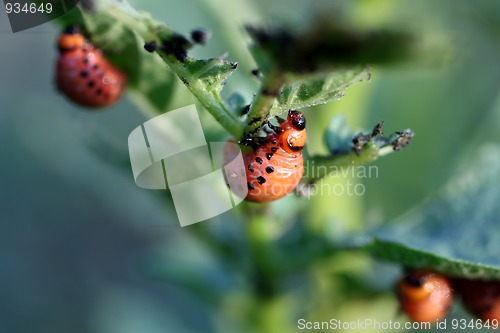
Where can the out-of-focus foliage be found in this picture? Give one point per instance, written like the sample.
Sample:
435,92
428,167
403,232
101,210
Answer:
457,233
81,243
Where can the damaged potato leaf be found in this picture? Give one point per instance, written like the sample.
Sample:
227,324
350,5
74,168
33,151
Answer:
350,148
315,66
318,90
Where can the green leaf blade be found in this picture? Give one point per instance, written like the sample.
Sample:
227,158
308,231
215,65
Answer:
457,233
319,89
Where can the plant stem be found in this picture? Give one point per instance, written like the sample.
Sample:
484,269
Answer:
211,100
271,88
318,167
269,313
261,251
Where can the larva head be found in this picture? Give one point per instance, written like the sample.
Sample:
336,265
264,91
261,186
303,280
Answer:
71,39
294,132
425,296
415,286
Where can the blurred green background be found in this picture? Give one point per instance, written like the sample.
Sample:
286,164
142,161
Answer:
83,249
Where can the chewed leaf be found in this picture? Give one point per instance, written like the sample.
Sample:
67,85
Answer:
350,148
456,233
306,90
315,65
318,89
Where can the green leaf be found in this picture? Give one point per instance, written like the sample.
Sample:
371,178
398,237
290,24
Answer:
314,66
325,45
319,89
211,73
455,233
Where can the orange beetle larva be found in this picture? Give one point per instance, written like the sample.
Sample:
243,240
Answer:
425,296
481,298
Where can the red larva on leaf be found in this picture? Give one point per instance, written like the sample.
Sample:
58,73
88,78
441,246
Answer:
481,298
275,167
84,75
425,296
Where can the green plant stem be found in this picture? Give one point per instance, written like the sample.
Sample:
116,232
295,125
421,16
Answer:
211,100
259,111
318,167
261,251
269,314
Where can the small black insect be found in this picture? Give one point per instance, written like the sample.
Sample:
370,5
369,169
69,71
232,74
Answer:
200,36
151,46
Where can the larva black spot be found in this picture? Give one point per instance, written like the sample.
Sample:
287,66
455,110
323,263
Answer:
269,169
90,84
258,160
84,73
250,168
274,141
262,141
250,186
274,149
255,72
261,180
98,91
95,67
269,155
